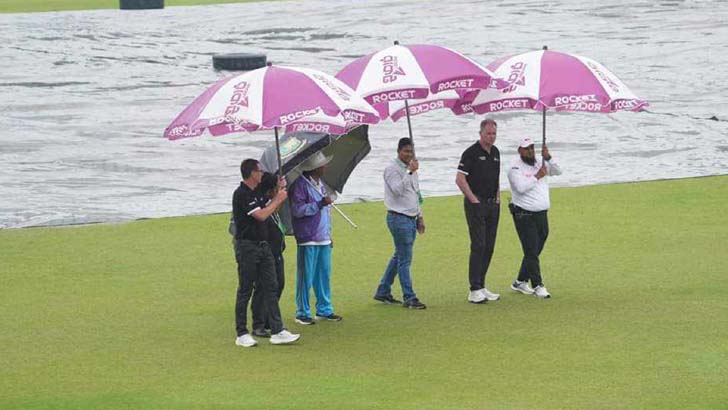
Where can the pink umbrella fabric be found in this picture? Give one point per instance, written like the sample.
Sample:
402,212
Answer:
271,97
400,73
550,80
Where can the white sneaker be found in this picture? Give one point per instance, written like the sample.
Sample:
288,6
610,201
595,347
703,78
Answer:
541,292
522,287
284,337
245,340
490,295
477,296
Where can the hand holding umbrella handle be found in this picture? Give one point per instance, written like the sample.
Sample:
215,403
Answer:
346,218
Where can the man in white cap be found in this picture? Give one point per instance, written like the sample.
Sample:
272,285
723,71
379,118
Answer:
312,227
529,207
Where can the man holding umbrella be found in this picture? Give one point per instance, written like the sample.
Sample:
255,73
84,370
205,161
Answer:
312,228
529,206
256,266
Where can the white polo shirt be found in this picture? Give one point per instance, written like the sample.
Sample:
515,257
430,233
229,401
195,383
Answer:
527,191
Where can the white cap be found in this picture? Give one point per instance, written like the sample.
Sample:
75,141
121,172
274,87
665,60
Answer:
315,161
525,142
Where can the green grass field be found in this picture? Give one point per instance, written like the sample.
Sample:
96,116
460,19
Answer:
24,6
140,315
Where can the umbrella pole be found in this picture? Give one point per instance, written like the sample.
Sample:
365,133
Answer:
543,127
278,152
409,125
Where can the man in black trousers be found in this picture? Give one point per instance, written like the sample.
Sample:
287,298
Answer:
256,266
478,178
529,206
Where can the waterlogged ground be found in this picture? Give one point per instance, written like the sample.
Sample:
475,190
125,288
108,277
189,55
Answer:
85,96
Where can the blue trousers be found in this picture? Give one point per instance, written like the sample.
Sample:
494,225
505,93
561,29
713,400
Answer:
313,270
404,232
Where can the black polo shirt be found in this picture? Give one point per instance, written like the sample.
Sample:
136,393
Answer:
245,202
482,170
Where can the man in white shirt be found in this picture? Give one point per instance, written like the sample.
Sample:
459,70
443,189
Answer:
529,207
404,220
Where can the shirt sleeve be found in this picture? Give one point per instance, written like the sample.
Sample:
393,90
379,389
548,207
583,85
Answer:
250,204
302,204
466,163
519,182
396,181
553,168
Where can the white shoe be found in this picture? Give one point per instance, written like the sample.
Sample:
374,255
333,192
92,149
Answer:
541,292
284,337
477,296
490,295
522,287
245,340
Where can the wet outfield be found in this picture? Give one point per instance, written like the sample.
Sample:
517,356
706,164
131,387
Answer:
85,96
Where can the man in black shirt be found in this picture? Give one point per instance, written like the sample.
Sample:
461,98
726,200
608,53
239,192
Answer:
268,188
478,178
256,266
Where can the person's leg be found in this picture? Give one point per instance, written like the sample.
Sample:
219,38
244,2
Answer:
280,279
385,284
406,232
542,229
269,286
247,258
476,229
492,215
304,278
528,235
322,281
257,306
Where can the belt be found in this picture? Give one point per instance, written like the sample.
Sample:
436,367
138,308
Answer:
259,243
401,214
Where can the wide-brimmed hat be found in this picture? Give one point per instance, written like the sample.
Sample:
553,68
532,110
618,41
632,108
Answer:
525,142
315,161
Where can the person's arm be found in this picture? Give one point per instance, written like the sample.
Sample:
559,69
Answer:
551,166
464,168
519,182
303,204
462,183
396,181
261,214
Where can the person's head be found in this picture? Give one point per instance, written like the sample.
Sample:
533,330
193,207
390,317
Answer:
268,185
527,151
251,172
405,150
488,129
315,166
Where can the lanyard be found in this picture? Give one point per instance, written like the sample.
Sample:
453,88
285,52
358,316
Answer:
420,198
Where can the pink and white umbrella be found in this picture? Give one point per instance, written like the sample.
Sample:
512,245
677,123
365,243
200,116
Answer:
414,72
271,97
549,80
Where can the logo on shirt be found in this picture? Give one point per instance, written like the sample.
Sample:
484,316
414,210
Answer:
481,158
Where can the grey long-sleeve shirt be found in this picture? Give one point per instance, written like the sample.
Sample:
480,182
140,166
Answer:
401,189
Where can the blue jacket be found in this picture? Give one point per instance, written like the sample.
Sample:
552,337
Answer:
311,218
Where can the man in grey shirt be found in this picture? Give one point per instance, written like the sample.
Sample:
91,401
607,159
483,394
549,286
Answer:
404,219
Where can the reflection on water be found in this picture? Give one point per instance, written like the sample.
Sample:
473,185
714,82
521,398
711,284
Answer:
85,96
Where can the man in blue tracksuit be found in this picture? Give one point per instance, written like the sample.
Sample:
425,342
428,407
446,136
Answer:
312,227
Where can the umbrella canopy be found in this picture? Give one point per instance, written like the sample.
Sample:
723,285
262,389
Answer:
346,152
413,72
550,80
269,97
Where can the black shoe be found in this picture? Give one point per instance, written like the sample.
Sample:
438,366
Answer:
414,304
331,318
304,320
261,333
389,300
